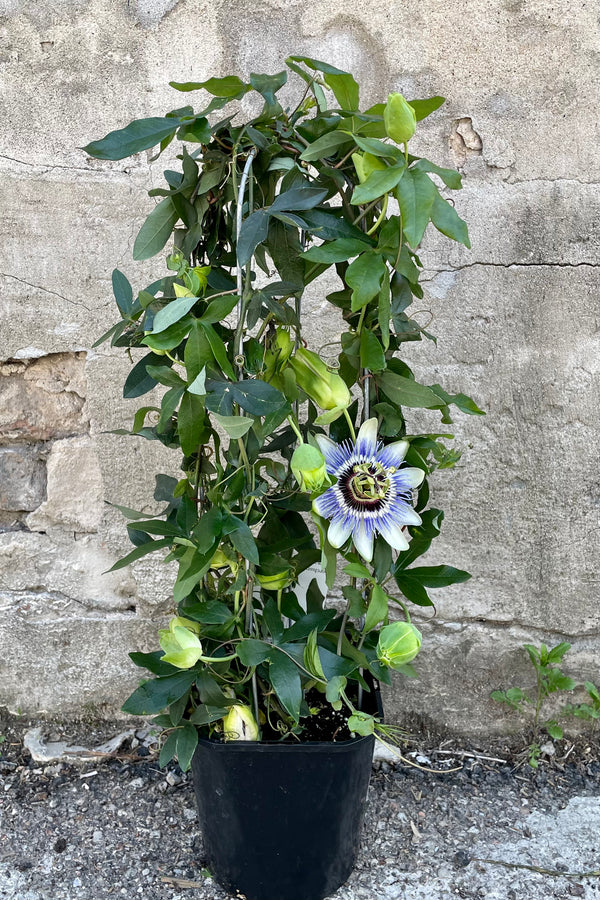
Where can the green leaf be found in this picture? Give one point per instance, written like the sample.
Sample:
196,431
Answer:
219,309
379,182
405,392
253,232
415,194
268,85
140,551
123,292
243,541
209,612
361,723
311,621
168,750
153,696
446,219
377,609
138,381
208,529
197,132
152,662
209,690
272,619
192,567
413,590
171,337
364,276
327,68
357,570
140,417
335,687
197,354
297,198
285,250
156,230
424,108
187,741
335,251
437,576
235,426
172,312
191,423
198,385
252,652
378,148
325,145
205,714
464,403
556,654
218,349
165,375
329,226
450,177
135,137
154,526
230,86
560,682
554,730
384,309
257,397
285,678
345,89
357,606
372,356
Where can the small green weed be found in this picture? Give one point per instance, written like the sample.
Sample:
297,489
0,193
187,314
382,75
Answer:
550,680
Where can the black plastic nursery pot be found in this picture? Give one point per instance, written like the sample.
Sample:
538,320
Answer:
282,821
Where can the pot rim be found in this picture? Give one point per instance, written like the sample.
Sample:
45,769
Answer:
282,747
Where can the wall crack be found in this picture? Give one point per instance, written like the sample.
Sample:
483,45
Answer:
39,287
516,265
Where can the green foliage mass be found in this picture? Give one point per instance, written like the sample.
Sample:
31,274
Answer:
255,213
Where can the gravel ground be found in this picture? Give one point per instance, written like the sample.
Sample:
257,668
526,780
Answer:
121,827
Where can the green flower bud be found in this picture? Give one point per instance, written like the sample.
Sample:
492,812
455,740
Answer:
366,163
399,118
277,354
180,643
318,382
398,644
275,582
240,725
308,466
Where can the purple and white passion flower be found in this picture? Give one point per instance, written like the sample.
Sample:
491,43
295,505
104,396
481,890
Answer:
372,493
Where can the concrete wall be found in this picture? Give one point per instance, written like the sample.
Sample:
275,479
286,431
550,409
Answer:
518,320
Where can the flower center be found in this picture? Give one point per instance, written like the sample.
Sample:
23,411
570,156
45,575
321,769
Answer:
365,485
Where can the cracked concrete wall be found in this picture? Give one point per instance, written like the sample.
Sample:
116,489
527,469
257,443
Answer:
517,319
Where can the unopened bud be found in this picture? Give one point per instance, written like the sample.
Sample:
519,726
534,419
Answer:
240,725
365,163
399,118
319,383
180,643
398,644
308,466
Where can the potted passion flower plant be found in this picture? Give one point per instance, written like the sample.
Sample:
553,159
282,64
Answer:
290,463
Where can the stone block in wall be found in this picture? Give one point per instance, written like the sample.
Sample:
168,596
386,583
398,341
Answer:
459,666
22,478
70,663
74,491
74,571
42,399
